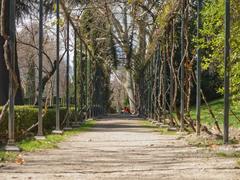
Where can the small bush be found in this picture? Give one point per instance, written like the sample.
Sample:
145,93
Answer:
26,116
7,156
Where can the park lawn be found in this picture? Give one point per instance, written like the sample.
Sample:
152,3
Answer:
51,141
217,107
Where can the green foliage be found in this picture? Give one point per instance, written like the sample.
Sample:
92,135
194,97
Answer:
51,141
7,156
33,145
126,102
203,141
98,36
167,10
26,116
235,154
238,162
113,50
212,41
217,107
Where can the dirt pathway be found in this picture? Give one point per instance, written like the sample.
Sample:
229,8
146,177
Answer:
119,148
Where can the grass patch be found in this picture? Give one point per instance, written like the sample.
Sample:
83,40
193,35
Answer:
238,162
207,141
163,131
217,107
229,154
51,141
203,141
7,156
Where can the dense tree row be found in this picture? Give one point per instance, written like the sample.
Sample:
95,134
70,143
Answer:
155,42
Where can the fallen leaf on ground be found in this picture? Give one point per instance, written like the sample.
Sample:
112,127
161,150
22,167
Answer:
19,160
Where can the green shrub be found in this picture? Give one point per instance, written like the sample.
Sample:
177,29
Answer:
7,156
26,116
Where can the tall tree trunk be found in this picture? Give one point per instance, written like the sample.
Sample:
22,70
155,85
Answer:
140,84
4,78
140,60
31,81
19,95
130,91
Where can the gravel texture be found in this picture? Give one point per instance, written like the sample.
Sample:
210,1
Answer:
121,148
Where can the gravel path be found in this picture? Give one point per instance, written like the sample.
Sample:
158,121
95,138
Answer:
120,148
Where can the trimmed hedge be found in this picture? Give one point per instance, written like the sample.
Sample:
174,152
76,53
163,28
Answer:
26,116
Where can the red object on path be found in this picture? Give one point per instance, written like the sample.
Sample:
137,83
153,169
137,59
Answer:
127,110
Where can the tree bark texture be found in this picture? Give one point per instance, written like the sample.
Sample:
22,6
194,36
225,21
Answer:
4,73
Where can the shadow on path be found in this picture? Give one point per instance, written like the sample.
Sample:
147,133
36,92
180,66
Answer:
119,147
